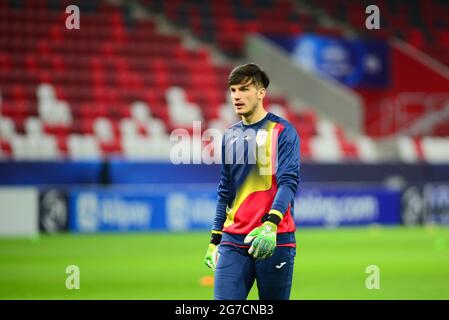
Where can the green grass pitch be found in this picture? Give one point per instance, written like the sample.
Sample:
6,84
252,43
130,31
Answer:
330,264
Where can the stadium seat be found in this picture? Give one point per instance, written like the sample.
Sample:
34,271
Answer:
145,148
7,128
83,147
155,127
103,130
33,127
182,112
326,128
407,149
367,150
435,150
34,147
140,111
278,110
128,128
325,149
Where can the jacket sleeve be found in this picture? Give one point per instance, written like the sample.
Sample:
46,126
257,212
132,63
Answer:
288,170
223,191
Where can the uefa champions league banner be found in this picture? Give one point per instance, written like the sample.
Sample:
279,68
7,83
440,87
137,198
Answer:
127,210
355,63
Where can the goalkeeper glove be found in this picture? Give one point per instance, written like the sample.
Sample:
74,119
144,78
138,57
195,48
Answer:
263,238
211,257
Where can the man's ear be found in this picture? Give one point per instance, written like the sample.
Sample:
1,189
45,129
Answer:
261,93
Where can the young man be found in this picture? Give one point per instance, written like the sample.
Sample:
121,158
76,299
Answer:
254,229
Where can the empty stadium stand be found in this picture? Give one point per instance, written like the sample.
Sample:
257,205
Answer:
118,86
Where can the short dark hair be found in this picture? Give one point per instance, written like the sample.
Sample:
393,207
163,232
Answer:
246,72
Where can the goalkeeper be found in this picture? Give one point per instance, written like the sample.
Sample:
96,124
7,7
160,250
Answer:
253,234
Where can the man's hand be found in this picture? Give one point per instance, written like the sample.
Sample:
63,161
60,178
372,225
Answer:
264,240
211,257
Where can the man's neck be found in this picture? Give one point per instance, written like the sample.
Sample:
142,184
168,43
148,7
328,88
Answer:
256,116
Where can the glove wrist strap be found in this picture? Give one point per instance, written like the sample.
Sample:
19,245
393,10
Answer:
215,237
274,217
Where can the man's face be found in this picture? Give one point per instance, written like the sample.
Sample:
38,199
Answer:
246,97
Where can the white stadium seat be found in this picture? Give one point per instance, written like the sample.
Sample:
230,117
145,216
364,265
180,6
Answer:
103,129
326,149
34,147
181,111
435,150
407,149
64,115
155,127
146,148
42,147
326,128
83,147
227,113
7,129
140,111
175,95
366,149
278,110
33,126
50,109
136,147
128,127
18,146
218,124
45,92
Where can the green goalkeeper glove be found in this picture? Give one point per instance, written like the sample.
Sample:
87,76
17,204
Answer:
264,240
211,257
